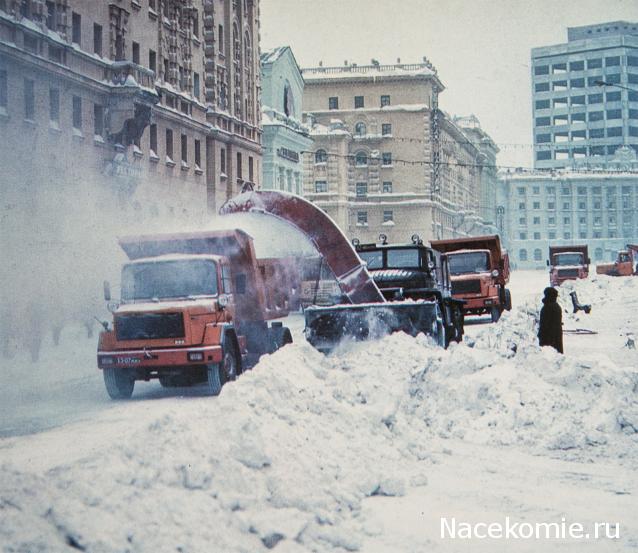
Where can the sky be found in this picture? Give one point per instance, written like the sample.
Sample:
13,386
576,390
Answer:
481,48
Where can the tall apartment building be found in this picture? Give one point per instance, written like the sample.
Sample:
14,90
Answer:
577,121
386,159
117,114
597,208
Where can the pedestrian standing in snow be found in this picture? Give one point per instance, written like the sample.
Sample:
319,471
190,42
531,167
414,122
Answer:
550,330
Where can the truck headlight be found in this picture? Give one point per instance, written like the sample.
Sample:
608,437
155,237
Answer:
195,356
104,360
495,273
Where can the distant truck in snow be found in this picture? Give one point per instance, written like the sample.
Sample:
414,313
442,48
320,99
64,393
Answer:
194,308
626,263
567,263
480,271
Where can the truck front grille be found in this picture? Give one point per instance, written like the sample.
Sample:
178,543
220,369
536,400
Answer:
567,273
466,286
144,326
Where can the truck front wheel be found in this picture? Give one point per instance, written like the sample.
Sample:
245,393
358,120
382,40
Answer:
119,383
508,300
218,374
495,313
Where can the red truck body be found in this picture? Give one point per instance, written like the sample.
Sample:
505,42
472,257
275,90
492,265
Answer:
567,263
626,263
194,308
480,271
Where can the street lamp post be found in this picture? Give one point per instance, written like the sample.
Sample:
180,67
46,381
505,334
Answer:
605,83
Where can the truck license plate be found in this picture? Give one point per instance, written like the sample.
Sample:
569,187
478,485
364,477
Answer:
127,360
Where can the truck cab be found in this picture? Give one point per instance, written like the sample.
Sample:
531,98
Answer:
185,318
479,270
567,263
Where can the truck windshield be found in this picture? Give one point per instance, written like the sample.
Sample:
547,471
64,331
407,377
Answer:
403,259
469,262
569,258
374,259
169,279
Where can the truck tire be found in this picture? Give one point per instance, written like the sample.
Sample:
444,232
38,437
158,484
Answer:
219,373
495,313
280,336
508,300
119,383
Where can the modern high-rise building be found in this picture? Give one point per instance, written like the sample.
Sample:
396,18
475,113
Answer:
585,96
386,159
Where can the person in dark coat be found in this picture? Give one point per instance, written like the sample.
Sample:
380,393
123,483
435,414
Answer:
550,330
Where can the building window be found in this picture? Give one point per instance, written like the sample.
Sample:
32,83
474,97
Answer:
385,100
522,236
386,159
386,129
613,97
76,24
220,38
387,216
567,220
541,104
3,89
543,121
521,206
551,221
196,85
552,235
362,218
222,160
360,129
152,61
537,236
184,140
77,113
251,169
97,39
522,221
536,190
522,255
541,87
577,83
614,131
321,186
195,15
98,120
361,189
136,52
333,102
169,145
358,102
596,63
612,61
576,65
29,100
54,105
50,15
321,156
387,187
239,166
544,155
541,70
536,205
537,220
538,254
198,154
153,139
597,133
567,235
361,159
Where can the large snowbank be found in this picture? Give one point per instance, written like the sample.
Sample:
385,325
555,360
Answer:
285,456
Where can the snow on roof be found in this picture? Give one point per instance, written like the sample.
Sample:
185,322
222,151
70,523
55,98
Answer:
368,72
273,55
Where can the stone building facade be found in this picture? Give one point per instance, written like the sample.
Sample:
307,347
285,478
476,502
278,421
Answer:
597,208
119,116
385,158
285,137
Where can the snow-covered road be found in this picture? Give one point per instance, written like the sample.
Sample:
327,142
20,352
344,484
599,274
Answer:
364,450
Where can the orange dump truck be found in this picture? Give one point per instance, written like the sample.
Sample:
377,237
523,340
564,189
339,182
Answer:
567,263
480,271
626,263
194,308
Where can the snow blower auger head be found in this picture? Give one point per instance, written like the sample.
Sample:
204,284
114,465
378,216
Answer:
327,327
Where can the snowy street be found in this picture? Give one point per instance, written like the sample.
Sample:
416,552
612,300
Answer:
364,450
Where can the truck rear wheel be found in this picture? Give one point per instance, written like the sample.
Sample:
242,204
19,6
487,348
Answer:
119,383
508,300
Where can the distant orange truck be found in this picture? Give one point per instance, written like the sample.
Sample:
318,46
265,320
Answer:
194,308
626,263
568,263
480,271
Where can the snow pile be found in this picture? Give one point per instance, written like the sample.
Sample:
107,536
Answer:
283,457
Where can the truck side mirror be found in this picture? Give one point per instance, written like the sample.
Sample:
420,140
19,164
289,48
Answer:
547,262
588,261
107,291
